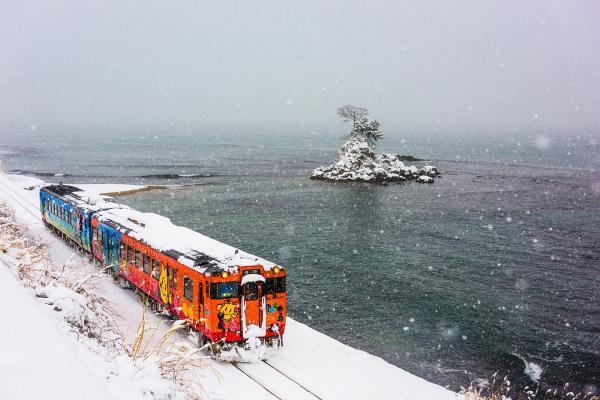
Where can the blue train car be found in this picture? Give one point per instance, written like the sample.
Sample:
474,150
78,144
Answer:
69,210
106,244
59,210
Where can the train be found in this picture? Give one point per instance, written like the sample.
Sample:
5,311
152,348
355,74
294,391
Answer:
233,301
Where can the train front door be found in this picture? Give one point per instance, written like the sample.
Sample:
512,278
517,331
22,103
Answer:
253,306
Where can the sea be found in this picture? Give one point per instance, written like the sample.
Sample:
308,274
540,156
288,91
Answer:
493,269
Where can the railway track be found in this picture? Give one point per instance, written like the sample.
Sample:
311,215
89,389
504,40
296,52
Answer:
275,382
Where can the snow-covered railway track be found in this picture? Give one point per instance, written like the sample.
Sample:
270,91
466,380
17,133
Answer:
22,201
276,382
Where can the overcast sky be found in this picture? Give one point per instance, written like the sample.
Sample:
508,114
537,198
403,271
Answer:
416,65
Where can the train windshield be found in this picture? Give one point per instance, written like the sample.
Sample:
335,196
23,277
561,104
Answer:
224,290
275,285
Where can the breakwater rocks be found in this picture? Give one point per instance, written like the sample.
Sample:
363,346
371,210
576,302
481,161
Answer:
356,162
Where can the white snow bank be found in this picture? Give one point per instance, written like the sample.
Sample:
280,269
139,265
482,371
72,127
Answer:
342,372
37,361
79,316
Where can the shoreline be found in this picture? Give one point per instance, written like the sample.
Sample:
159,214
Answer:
121,193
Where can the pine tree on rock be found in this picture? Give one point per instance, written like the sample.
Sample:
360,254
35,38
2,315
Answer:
363,127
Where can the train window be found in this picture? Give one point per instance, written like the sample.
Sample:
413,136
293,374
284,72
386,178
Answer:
94,233
275,285
188,288
122,251
100,237
138,259
146,264
155,269
200,294
130,254
251,291
224,290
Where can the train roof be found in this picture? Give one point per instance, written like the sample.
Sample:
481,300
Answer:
188,247
78,197
193,249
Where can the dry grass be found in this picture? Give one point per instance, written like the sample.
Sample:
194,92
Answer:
502,390
178,360
30,260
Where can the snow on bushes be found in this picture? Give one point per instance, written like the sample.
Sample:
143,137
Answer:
356,162
87,317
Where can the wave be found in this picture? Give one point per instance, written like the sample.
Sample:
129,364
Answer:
532,370
147,176
42,174
176,176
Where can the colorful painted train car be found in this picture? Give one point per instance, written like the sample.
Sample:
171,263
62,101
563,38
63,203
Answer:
68,211
234,301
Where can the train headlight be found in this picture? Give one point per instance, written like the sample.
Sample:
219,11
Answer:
276,270
224,274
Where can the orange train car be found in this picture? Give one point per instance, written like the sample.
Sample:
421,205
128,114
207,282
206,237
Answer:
231,298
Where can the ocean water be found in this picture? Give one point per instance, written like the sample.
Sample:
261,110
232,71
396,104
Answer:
495,267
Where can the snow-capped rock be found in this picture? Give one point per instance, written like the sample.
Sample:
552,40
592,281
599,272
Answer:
356,162
425,179
429,170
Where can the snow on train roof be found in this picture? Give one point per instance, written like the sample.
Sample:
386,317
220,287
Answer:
185,245
88,200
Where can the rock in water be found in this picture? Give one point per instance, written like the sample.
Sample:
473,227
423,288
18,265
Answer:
425,179
356,162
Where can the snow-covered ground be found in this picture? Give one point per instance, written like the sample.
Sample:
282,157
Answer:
45,355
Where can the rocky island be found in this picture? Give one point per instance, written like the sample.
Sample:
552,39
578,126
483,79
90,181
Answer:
357,162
